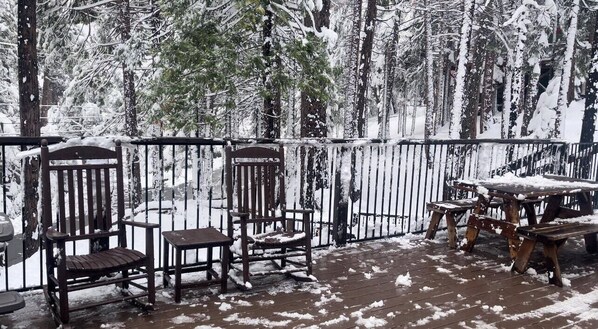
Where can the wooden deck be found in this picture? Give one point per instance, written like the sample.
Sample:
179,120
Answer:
356,288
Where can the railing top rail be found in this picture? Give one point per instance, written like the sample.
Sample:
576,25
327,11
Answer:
351,142
28,140
347,142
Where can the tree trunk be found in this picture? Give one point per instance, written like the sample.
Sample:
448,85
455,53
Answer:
390,60
531,99
350,116
271,117
588,124
517,82
313,123
51,93
130,100
566,70
476,70
364,67
430,110
506,107
30,117
488,95
459,99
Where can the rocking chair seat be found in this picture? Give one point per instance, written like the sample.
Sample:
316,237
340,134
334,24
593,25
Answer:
108,261
275,239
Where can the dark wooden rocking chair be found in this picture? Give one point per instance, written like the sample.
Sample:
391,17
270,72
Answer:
82,195
258,218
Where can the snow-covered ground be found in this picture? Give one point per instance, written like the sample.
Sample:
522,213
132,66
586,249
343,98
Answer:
571,128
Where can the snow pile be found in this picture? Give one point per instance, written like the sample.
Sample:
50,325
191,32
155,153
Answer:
403,280
369,322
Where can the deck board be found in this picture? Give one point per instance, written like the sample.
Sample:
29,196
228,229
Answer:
356,287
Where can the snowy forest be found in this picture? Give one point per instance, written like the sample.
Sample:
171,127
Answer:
300,68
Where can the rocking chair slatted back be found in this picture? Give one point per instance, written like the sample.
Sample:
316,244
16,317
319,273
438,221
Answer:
257,177
84,191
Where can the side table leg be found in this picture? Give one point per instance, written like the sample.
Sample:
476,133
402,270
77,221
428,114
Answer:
177,275
209,265
165,268
224,266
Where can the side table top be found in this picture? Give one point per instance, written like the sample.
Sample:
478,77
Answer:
197,238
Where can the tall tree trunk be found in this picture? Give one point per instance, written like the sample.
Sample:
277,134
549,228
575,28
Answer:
566,69
430,110
350,116
344,176
588,124
459,97
51,93
30,117
488,95
271,118
130,100
506,108
475,71
517,82
313,121
390,62
364,67
531,99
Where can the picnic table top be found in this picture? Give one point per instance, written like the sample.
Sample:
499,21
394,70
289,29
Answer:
521,188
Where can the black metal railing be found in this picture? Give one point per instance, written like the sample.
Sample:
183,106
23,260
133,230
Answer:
389,182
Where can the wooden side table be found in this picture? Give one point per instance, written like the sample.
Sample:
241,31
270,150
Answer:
195,239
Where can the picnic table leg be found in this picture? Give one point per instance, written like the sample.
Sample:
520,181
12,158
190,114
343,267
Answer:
530,212
511,209
585,207
471,234
473,224
523,255
552,263
451,225
552,208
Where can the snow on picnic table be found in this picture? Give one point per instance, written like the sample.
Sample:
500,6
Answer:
538,182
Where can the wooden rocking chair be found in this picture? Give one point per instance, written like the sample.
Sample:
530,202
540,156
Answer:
83,217
258,218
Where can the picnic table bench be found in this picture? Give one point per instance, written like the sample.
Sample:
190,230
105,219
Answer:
552,235
455,209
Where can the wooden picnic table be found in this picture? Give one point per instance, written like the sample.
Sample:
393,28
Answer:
514,190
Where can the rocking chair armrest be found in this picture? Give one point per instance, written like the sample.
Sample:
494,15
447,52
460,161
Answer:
54,235
141,224
299,211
